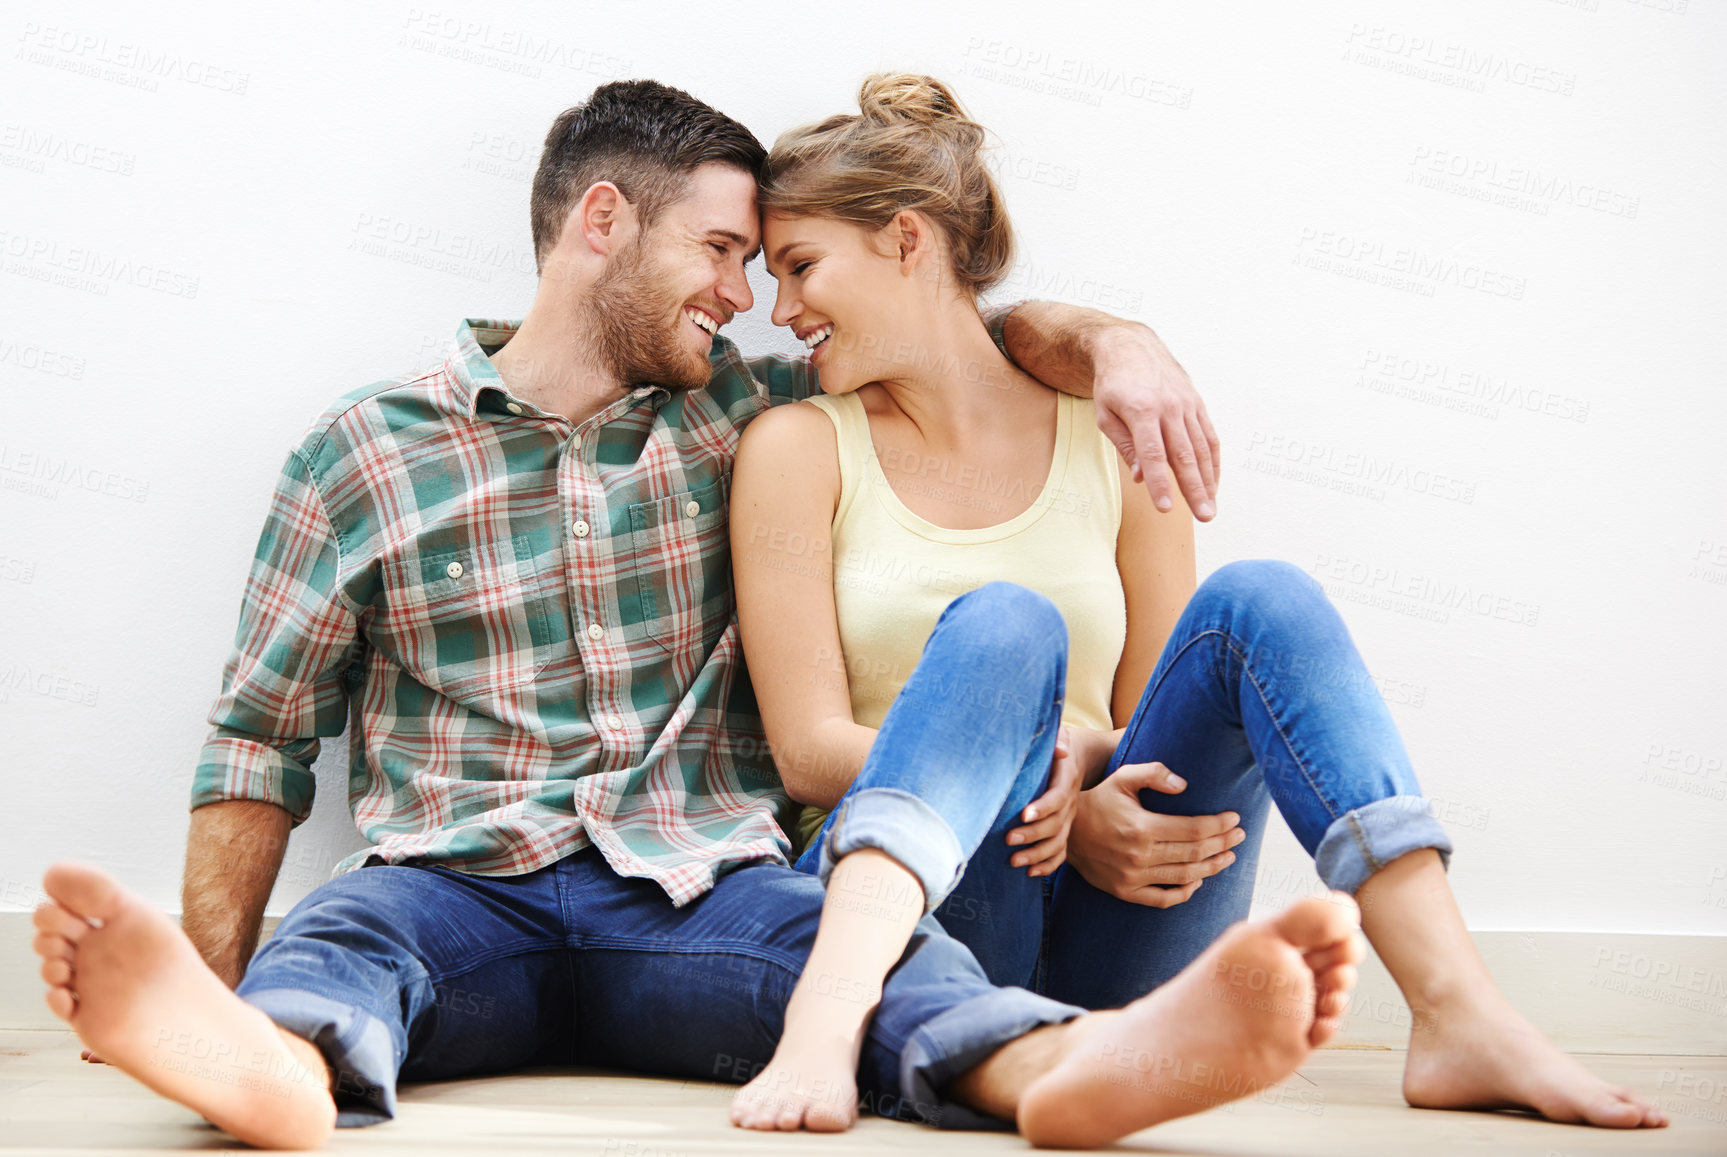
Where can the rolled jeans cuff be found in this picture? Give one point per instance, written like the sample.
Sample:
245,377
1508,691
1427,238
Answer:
355,1044
904,827
959,1040
1360,842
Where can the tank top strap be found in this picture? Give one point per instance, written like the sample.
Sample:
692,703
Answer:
1095,464
851,435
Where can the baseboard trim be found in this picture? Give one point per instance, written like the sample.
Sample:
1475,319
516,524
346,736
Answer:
1592,992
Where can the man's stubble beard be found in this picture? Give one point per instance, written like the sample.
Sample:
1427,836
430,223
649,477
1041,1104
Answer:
628,309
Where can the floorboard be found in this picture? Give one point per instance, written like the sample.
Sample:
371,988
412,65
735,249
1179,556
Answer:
1342,1103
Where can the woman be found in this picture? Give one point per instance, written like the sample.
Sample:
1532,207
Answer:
978,643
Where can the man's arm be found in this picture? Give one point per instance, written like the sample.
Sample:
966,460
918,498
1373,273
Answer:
283,689
233,852
1145,403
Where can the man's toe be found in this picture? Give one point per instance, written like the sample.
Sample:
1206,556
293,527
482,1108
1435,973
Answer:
51,947
57,971
62,1003
54,920
83,891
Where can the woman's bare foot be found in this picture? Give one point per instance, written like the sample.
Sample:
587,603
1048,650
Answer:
810,1084
1237,1020
1468,1048
135,990
1475,1051
871,905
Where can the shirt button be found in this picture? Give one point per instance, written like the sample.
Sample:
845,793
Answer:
614,723
581,528
575,441
595,631
454,570
512,407
692,508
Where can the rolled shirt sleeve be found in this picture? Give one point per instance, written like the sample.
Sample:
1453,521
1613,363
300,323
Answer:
286,684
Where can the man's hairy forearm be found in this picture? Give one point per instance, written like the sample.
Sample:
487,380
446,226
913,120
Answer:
1058,344
233,852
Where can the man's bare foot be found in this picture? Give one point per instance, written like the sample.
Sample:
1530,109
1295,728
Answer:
135,990
1475,1051
1237,1020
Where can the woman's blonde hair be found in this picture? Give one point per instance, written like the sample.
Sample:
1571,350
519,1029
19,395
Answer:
909,146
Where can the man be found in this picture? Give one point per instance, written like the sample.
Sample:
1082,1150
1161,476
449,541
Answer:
515,566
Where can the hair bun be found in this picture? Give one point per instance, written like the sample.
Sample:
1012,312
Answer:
910,146
906,96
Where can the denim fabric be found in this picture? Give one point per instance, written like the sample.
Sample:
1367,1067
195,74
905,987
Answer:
970,737
415,973
1259,696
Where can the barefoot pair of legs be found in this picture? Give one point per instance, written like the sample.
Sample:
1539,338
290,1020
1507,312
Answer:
1259,696
421,973
579,964
664,990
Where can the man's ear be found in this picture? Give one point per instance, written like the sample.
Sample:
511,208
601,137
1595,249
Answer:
604,218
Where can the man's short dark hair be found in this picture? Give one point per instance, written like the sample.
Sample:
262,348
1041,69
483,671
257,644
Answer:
645,138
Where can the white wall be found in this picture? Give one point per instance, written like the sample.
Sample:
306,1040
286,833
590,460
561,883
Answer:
187,207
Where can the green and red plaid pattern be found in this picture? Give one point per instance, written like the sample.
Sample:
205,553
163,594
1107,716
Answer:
532,621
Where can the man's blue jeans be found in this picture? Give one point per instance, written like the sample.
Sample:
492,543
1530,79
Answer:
422,973
1259,695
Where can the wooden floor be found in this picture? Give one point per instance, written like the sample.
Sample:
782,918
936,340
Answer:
1344,1101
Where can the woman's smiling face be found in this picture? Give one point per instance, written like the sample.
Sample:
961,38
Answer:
842,292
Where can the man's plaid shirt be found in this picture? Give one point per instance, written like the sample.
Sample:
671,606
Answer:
534,622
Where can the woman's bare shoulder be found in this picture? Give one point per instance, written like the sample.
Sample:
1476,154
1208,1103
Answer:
791,441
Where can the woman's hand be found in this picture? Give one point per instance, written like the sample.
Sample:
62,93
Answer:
1049,817
1142,856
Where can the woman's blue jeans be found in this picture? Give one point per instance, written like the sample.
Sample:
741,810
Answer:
1259,696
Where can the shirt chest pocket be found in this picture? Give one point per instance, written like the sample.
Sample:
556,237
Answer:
468,618
679,589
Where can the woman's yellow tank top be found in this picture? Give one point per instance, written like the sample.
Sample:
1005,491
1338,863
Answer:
894,572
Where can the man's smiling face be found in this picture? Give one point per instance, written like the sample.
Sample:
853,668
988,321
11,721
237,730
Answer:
661,302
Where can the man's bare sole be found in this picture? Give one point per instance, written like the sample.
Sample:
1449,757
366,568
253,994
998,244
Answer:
134,989
1239,1019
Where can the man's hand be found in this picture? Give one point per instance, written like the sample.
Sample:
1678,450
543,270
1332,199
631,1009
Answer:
1147,406
1143,856
1145,403
1049,817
